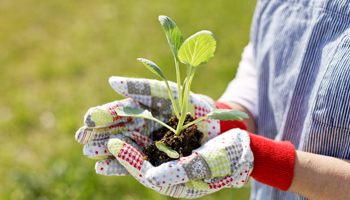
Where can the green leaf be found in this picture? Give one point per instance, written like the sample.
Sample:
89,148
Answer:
198,49
170,152
134,112
226,114
153,67
172,32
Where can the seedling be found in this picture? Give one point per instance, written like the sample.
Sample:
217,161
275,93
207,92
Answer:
195,51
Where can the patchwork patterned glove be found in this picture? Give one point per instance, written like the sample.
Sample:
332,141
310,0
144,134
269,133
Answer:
225,161
103,123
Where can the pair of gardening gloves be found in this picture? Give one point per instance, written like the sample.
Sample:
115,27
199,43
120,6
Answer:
224,159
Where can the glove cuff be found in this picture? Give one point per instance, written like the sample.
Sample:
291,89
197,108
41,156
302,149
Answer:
228,125
273,161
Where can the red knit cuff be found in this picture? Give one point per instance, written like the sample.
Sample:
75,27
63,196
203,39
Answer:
273,161
228,125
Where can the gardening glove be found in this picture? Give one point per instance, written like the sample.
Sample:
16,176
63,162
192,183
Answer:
153,96
102,122
225,161
107,126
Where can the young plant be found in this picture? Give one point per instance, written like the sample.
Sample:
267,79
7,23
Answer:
195,51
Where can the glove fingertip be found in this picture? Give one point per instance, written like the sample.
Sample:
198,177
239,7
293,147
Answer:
96,150
88,121
110,167
115,145
119,84
132,160
79,135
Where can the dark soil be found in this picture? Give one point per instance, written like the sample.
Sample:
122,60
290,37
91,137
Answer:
188,140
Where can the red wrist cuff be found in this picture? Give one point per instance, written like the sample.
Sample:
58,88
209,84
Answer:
228,125
273,161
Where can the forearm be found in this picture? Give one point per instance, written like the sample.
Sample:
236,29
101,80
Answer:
250,122
321,177
315,176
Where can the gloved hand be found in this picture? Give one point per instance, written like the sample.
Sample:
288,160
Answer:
103,123
225,161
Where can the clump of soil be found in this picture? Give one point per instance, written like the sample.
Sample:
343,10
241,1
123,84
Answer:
188,140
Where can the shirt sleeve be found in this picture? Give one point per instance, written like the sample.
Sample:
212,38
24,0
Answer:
243,89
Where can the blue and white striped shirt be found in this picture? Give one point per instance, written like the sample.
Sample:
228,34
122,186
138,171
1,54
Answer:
301,52
302,55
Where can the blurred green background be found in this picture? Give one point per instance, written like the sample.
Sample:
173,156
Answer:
55,61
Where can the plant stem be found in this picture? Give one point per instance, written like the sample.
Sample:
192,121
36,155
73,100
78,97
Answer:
183,88
172,99
178,82
185,101
156,120
191,123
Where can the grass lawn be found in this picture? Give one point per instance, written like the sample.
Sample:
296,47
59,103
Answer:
55,60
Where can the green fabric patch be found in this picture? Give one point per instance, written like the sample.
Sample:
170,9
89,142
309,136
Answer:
101,116
159,90
198,185
219,162
191,109
115,145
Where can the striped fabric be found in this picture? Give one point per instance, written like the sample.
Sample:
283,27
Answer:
302,54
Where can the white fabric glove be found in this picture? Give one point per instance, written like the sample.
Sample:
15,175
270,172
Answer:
103,123
225,161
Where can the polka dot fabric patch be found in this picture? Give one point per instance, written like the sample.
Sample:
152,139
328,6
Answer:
96,150
222,183
110,166
139,139
130,155
167,174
